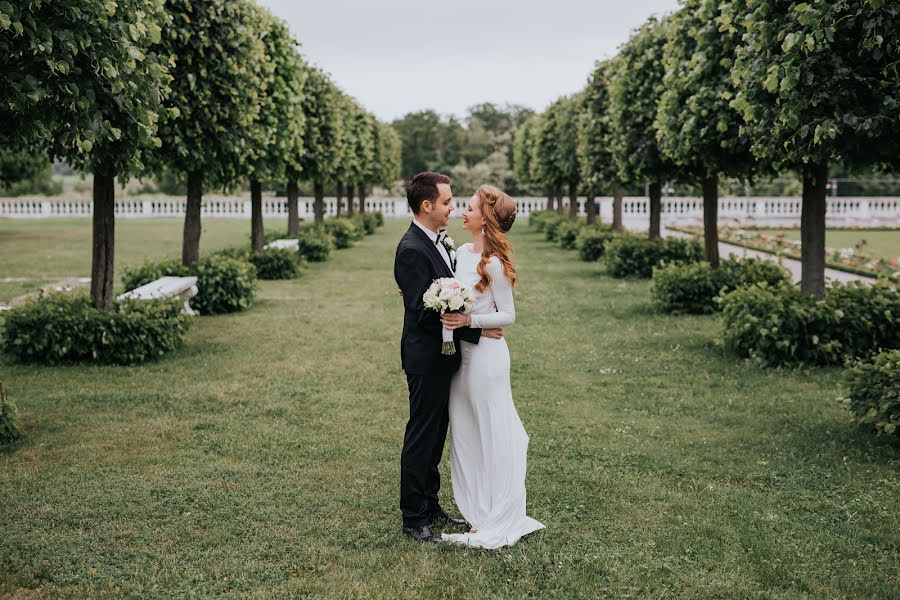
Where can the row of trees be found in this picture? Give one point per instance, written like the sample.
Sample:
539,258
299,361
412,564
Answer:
216,91
745,88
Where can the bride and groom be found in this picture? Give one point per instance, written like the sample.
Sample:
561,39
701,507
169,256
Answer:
469,390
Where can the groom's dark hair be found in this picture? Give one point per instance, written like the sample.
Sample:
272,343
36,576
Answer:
424,187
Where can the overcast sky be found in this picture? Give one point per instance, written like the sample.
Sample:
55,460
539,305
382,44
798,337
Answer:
399,56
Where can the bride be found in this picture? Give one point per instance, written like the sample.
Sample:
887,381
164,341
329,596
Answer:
488,445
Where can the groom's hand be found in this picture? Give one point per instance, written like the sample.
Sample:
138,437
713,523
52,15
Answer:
453,320
494,334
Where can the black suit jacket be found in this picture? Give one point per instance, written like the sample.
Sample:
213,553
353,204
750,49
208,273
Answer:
417,263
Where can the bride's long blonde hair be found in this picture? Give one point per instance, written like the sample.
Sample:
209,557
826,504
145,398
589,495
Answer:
499,212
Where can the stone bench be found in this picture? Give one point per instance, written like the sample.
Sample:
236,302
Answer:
166,287
284,244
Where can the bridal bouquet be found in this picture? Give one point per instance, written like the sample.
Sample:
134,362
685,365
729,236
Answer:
448,295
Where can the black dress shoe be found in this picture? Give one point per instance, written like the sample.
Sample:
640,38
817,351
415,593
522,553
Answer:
421,534
443,519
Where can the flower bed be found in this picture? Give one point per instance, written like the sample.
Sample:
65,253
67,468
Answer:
853,260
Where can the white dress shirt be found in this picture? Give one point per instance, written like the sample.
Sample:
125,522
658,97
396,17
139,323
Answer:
442,249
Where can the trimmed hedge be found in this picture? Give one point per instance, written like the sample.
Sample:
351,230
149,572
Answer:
344,231
567,234
873,392
315,243
275,263
592,242
692,288
633,256
226,280
66,328
782,325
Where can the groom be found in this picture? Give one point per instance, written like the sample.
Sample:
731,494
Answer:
422,256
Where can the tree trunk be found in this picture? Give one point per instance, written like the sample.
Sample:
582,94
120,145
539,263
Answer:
617,210
293,209
257,237
590,209
710,187
573,202
655,194
549,200
104,241
190,249
812,230
319,202
559,202
350,208
339,198
361,194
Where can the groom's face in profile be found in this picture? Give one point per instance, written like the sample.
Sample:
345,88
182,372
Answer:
443,206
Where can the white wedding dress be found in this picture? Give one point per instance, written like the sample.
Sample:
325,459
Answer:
488,445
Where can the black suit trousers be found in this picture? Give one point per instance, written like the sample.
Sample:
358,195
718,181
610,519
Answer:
423,445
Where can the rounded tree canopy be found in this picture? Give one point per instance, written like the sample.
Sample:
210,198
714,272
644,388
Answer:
220,75
697,128
84,79
597,169
818,81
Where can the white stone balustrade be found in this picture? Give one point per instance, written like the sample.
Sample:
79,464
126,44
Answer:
849,211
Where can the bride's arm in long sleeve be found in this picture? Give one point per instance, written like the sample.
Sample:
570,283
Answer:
501,290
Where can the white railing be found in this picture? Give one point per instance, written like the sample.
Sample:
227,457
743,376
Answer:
635,209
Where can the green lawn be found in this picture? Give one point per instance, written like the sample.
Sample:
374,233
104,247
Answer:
45,250
262,460
879,242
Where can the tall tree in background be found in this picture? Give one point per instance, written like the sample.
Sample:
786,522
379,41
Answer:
279,135
635,89
817,83
219,54
97,109
597,168
697,128
322,146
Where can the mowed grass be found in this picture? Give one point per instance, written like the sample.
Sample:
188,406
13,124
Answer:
878,242
43,251
262,460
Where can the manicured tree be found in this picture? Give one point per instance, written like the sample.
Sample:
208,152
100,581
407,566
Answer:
81,80
697,128
385,167
635,89
547,171
279,134
358,152
366,151
597,168
219,75
818,83
322,144
566,111
524,157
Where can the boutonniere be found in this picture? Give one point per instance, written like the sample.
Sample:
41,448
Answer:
449,244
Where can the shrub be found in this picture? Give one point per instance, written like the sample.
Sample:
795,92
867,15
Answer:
62,328
379,218
537,220
592,241
782,325
367,222
226,285
274,263
10,430
633,256
873,392
344,231
567,234
226,280
551,227
693,287
315,243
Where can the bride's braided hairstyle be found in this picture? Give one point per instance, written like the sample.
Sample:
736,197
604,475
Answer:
499,212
